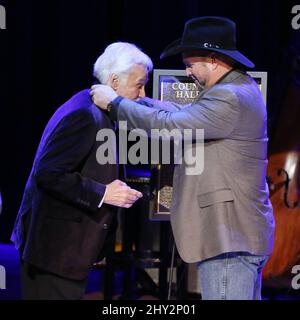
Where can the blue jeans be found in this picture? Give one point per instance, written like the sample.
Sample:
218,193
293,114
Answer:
231,276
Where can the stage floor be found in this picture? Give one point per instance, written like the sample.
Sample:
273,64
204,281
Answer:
9,259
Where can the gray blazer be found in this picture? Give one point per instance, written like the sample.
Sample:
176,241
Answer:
226,208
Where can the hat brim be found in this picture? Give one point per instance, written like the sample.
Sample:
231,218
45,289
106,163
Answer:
176,48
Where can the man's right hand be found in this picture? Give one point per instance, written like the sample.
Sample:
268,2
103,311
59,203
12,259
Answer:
119,194
102,95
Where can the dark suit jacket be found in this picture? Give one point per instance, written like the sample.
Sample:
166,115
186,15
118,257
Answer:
66,230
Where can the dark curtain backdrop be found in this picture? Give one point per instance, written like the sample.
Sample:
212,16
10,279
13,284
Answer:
49,47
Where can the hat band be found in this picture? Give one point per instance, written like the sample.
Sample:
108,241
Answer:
207,45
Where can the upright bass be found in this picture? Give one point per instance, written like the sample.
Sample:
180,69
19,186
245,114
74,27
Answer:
284,184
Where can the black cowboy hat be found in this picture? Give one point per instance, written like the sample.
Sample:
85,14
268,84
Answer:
216,34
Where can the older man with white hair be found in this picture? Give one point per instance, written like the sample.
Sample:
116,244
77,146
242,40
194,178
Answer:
68,208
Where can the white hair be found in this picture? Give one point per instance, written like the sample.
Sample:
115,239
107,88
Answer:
118,58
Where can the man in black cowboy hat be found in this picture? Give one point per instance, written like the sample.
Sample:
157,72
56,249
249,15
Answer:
221,218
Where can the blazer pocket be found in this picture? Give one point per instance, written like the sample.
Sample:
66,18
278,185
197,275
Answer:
210,198
64,215
71,219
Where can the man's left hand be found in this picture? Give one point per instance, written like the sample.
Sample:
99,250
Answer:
102,95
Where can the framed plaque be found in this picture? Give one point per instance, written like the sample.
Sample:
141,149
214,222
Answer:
175,86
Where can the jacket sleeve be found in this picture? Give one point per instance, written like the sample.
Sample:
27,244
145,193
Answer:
162,105
59,164
217,112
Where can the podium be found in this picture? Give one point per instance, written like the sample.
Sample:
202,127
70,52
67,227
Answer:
145,244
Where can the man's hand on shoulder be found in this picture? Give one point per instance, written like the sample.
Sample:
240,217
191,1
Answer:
102,95
119,194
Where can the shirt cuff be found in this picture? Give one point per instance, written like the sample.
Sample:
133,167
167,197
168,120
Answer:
101,202
113,114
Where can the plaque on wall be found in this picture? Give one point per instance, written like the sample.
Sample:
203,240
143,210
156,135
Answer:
175,86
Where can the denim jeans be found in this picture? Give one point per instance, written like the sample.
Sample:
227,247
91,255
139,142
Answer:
231,276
